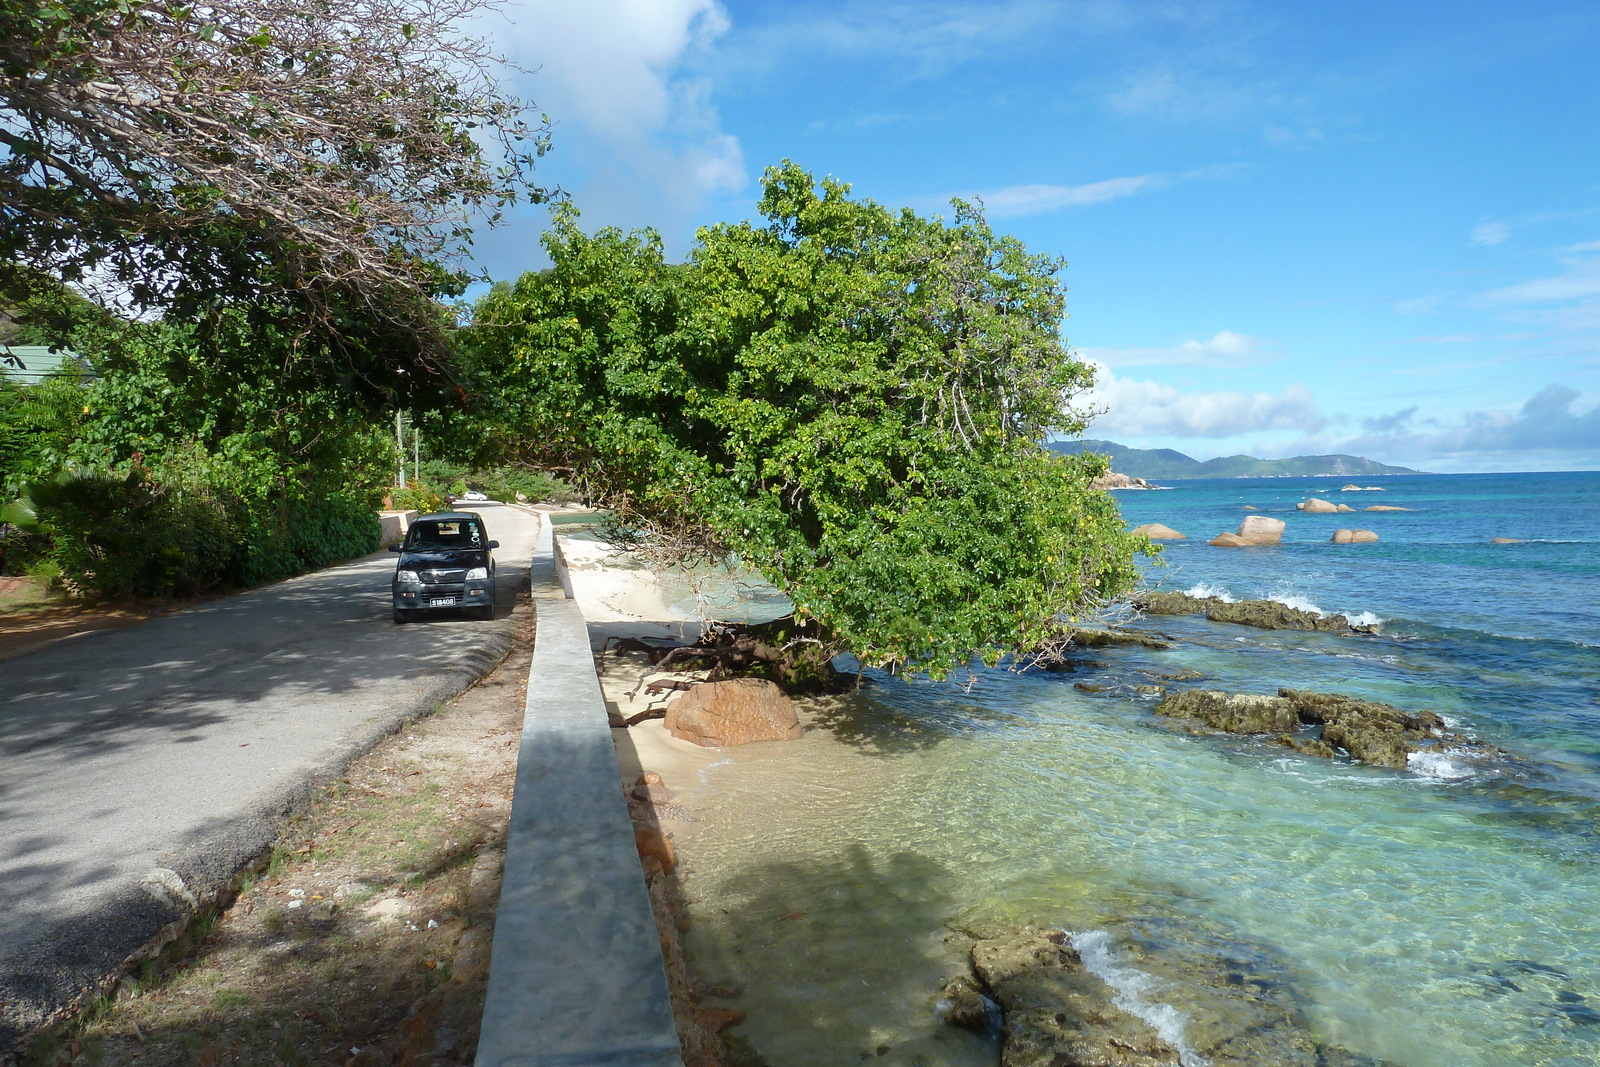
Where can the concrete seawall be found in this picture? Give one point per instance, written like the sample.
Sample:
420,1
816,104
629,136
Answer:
576,976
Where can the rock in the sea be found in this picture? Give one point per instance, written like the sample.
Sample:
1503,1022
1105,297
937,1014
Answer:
1261,530
1157,532
1506,541
1247,507
735,712
1384,507
1228,540
1353,537
1345,507
1112,480
1056,1013
961,1003
1264,614
1319,506
1104,638
1367,730
1234,713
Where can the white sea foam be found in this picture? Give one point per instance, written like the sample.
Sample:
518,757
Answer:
1128,987
1436,765
1292,600
1364,618
1203,589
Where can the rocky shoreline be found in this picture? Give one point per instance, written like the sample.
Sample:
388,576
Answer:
1045,994
1262,614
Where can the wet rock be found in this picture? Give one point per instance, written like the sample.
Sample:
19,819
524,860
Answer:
1344,507
1369,730
1057,1014
1318,506
961,1003
653,844
1228,540
1103,638
1506,541
1366,730
1353,537
1235,713
1090,687
1157,532
736,712
1384,507
1263,614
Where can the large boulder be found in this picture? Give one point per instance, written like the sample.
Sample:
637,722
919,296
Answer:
736,712
1261,530
1157,532
1321,507
1344,507
1353,537
1228,540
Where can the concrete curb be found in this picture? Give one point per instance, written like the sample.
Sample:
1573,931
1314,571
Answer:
576,976
89,954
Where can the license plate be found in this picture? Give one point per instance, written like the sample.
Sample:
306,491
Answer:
442,602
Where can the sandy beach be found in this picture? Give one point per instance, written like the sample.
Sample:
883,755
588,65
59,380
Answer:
750,826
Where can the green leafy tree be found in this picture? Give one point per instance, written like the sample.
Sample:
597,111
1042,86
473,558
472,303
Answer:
851,400
313,160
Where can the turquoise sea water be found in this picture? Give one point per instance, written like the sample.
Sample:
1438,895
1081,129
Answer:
1443,916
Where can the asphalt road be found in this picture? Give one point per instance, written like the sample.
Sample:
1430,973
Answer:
141,768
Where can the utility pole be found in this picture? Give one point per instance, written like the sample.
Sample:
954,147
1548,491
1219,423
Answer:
400,446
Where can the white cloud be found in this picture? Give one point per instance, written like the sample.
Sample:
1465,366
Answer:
1547,431
1582,280
1224,349
1144,409
1490,233
637,139
1014,201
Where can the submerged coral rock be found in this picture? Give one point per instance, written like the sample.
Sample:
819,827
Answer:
735,712
1236,713
1384,507
1367,730
1056,1013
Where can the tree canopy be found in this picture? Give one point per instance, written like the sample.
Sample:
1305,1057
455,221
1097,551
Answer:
851,400
318,161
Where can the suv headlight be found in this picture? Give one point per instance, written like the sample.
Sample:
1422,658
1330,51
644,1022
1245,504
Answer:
478,574
407,578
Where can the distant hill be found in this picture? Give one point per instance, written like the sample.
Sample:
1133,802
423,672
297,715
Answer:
1157,464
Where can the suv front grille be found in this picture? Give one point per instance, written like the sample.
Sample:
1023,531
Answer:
453,576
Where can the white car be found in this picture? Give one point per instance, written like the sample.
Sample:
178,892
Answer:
473,495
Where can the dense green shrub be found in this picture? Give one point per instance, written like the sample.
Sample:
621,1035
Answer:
132,535
416,496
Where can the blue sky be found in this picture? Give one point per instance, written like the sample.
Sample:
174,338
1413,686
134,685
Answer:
1291,228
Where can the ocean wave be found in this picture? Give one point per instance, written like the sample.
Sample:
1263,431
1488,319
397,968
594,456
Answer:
1364,618
1216,592
1129,988
1436,765
1299,603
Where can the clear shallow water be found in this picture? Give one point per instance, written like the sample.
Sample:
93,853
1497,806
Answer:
1443,917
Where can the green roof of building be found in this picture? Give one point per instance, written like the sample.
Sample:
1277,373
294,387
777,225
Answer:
38,362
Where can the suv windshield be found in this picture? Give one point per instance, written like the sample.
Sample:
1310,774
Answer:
447,534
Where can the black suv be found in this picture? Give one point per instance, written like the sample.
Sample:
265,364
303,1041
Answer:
444,563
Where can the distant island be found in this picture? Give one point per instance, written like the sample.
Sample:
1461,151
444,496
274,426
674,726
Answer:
1164,464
